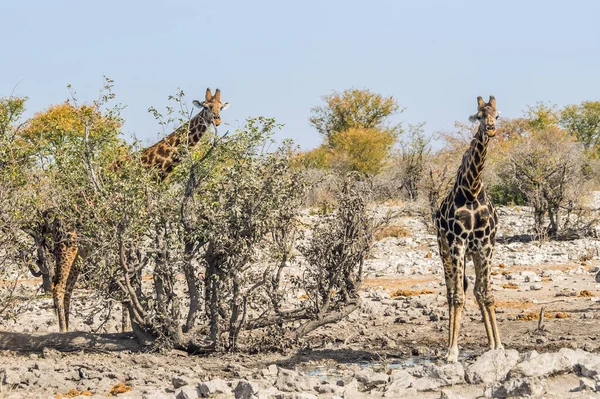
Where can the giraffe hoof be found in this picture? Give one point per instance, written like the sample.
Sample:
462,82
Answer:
452,356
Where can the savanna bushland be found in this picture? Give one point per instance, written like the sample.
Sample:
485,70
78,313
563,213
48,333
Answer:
253,258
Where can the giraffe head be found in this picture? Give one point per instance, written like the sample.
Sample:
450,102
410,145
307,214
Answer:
212,107
486,115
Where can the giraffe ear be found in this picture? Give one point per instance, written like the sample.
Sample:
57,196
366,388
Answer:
197,104
480,102
473,118
225,106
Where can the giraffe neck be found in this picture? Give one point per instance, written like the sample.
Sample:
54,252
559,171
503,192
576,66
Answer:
469,174
164,153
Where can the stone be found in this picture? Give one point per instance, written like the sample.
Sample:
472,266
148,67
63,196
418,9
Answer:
434,376
364,375
492,366
397,392
179,381
159,395
517,387
445,394
271,393
530,277
350,390
189,392
212,387
246,390
586,384
290,381
547,364
401,378
305,395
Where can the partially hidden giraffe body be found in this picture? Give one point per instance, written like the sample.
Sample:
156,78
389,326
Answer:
163,156
466,223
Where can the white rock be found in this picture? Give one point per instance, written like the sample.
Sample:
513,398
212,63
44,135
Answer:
492,366
213,387
518,387
445,394
189,392
530,277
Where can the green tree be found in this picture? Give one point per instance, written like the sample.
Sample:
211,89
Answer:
354,109
541,116
583,121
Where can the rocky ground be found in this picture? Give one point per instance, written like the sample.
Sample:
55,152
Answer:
392,347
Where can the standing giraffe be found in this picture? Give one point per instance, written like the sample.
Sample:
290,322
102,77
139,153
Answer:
466,225
163,155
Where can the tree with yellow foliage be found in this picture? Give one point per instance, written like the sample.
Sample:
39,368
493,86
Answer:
356,131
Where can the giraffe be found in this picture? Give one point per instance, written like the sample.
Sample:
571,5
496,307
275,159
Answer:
466,223
162,155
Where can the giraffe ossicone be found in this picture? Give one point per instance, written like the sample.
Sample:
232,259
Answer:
466,224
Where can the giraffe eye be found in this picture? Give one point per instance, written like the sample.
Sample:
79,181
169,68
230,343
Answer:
497,117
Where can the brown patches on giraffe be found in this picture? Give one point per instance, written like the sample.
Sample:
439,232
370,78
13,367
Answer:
466,223
164,154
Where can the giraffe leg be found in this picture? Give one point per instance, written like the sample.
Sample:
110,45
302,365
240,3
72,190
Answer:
453,261
65,257
480,297
58,293
457,298
485,297
71,281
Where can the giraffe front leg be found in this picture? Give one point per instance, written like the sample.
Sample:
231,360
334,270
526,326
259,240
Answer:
456,301
59,303
453,273
70,286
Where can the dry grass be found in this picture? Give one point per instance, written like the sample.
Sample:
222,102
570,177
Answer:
410,293
586,293
528,316
394,231
72,394
121,387
511,286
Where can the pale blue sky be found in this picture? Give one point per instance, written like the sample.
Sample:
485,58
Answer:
276,58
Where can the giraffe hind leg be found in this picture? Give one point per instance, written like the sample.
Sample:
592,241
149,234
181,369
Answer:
485,299
71,281
65,257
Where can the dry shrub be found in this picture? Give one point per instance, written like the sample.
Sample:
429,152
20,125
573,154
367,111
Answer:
73,393
511,286
585,293
406,293
391,231
528,316
121,387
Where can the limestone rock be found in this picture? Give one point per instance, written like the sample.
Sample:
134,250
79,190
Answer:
492,366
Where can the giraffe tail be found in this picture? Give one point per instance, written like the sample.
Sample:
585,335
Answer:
465,280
